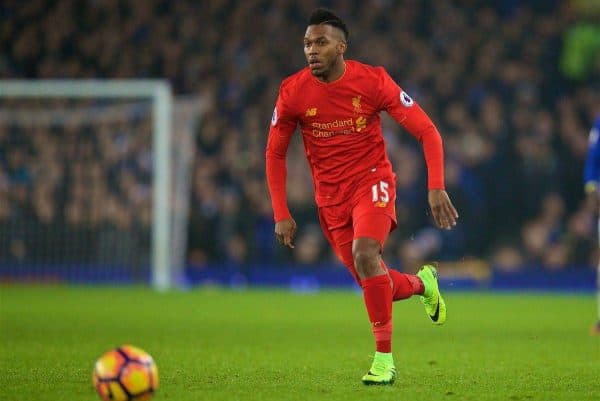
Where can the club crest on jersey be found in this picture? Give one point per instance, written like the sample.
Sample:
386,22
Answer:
405,99
356,104
311,112
274,118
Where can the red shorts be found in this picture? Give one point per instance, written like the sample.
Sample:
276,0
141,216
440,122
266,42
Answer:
370,213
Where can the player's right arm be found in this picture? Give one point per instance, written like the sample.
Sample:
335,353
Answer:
283,125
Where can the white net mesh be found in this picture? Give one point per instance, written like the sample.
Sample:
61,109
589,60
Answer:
76,179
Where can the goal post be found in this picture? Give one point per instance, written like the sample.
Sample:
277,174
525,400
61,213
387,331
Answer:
158,92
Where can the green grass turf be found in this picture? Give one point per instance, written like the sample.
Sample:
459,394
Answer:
213,344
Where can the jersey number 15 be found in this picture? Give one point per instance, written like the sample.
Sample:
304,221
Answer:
380,192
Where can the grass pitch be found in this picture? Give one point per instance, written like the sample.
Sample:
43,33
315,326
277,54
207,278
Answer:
274,345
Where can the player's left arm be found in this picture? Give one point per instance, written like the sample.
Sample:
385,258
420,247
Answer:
411,117
590,172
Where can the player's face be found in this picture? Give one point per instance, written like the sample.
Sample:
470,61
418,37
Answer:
323,47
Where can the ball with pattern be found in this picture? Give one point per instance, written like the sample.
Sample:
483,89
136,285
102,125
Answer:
126,373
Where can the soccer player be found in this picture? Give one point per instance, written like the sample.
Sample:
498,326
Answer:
591,176
336,103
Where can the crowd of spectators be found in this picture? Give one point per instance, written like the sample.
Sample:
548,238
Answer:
488,73
75,192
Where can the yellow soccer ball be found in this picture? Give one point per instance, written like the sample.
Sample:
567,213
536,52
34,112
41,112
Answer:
126,373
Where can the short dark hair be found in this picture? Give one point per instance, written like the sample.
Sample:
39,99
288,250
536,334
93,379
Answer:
325,16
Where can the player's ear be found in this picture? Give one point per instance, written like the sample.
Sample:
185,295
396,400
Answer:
341,47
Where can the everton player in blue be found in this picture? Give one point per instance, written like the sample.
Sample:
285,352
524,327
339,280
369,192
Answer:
591,178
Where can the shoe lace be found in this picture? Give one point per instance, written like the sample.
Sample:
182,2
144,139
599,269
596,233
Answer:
428,301
379,367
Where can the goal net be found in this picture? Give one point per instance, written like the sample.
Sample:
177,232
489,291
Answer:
94,180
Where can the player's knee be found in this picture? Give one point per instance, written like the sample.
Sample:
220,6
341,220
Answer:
366,258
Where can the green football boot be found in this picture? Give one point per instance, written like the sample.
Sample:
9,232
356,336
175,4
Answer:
431,298
382,370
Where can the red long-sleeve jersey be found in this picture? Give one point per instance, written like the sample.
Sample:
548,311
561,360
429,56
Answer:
342,134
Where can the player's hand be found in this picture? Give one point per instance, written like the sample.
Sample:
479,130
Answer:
592,202
285,231
444,213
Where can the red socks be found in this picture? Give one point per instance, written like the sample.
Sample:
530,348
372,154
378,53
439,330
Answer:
405,285
377,292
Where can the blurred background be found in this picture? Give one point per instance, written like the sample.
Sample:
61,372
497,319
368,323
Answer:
513,86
